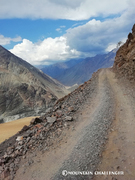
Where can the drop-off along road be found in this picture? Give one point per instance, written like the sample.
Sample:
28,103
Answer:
101,138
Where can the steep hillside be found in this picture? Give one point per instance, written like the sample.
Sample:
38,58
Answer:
83,71
24,90
124,63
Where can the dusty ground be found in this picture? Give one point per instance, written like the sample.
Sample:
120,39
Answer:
119,154
102,138
10,128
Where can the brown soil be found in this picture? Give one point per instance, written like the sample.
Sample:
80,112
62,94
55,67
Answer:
10,128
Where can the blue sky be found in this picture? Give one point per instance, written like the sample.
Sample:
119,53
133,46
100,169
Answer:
47,31
35,30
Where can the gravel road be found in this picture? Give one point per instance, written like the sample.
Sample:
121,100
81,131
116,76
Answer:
87,152
94,138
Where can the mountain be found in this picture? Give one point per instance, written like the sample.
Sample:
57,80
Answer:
124,63
84,70
55,70
81,70
24,89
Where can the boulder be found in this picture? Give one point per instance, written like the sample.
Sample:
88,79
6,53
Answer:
71,109
51,119
19,138
58,113
25,128
10,150
68,118
48,110
36,121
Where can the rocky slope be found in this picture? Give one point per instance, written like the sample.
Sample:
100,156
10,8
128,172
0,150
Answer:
24,90
124,63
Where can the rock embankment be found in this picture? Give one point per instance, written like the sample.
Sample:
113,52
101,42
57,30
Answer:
124,63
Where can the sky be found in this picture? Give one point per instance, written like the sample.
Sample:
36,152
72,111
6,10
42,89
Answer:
43,32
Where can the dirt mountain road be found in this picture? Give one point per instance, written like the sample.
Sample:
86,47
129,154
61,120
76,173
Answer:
102,138
119,154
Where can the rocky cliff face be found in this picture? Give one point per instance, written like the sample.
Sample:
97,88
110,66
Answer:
124,63
24,90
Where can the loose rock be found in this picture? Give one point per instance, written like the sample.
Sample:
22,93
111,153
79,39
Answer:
68,118
51,119
36,121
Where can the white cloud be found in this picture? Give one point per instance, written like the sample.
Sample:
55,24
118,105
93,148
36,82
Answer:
44,52
111,47
85,40
62,26
60,29
89,39
7,40
97,36
60,9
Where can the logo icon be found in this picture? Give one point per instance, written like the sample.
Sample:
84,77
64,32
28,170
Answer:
64,173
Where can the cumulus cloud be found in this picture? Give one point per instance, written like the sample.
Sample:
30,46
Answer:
7,40
99,36
60,9
89,39
45,52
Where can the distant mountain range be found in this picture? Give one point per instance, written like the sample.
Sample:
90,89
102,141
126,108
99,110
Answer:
24,89
78,71
55,70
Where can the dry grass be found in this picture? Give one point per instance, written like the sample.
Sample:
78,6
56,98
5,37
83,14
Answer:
10,128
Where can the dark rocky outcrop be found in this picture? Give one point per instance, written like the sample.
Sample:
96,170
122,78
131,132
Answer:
24,90
124,63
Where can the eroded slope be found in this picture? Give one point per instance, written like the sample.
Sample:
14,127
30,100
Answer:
24,90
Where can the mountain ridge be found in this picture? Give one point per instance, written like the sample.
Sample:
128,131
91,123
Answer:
24,89
55,70
82,70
